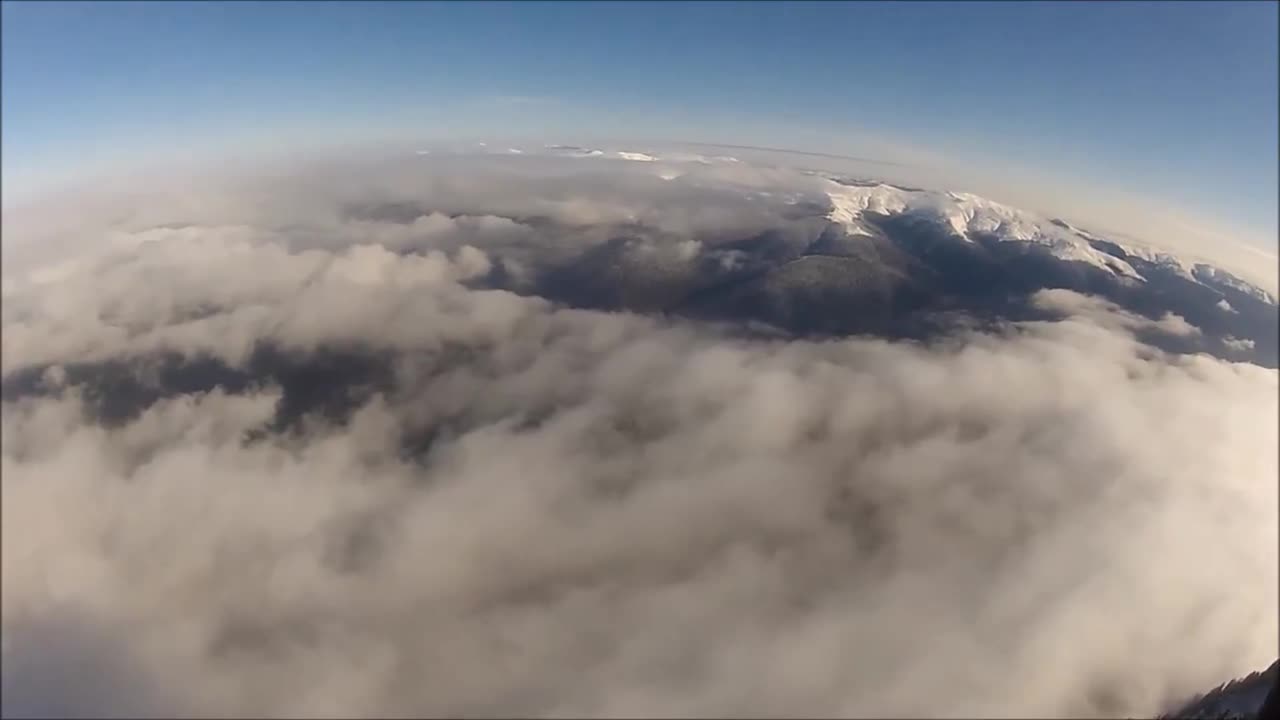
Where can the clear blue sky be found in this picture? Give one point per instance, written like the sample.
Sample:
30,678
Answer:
1177,98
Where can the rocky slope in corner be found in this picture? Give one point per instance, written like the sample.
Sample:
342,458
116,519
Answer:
1254,697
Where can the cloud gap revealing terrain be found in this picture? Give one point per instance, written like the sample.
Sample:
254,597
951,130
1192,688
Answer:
601,432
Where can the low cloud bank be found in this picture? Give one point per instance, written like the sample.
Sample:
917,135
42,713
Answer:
556,512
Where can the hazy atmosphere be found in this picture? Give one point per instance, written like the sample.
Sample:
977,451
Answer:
630,360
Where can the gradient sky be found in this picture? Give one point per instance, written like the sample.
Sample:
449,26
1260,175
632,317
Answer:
1178,100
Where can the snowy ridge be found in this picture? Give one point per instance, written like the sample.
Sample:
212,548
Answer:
578,151
1169,262
1211,274
636,155
967,216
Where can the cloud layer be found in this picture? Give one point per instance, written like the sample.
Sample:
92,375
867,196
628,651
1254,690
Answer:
535,510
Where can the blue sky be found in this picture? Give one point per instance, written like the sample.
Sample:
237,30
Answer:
1178,100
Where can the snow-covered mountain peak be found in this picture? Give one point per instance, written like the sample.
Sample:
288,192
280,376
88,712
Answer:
849,202
966,216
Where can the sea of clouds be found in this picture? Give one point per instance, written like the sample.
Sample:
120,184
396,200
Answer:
534,510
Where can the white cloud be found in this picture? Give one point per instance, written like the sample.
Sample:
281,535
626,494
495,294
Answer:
1239,344
618,515
1107,314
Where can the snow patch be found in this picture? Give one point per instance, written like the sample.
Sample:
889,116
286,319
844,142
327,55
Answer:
636,156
